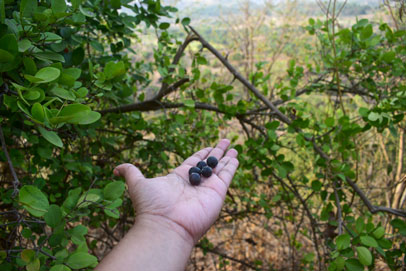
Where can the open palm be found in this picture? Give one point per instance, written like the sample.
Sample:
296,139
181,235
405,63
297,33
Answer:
171,198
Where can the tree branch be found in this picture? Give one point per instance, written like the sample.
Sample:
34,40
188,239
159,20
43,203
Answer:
16,182
286,120
165,91
152,105
215,251
164,87
240,78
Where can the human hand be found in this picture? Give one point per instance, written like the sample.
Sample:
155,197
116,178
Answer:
172,202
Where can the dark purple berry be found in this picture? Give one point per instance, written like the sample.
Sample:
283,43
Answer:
194,178
212,161
201,164
207,171
195,169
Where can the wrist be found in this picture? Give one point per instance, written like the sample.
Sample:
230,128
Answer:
161,225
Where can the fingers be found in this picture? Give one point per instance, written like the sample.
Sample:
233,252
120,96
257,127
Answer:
219,150
198,156
221,182
232,153
226,174
130,172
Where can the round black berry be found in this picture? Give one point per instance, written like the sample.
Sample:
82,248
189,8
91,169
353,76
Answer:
201,164
194,178
212,161
207,171
195,169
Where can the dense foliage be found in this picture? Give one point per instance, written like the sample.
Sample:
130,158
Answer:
78,97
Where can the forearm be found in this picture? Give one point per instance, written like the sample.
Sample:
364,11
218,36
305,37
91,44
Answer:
151,244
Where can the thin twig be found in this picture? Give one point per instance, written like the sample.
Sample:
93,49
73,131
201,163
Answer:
16,182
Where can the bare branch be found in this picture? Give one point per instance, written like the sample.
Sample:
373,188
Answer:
240,78
286,120
215,251
16,182
167,90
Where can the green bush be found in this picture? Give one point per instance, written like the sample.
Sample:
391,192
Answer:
77,98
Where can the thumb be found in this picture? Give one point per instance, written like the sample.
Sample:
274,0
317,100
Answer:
130,173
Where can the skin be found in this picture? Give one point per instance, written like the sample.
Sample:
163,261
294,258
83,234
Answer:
172,215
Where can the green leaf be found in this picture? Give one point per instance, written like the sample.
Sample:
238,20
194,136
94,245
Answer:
389,56
186,21
52,137
73,109
9,43
2,11
340,263
74,72
77,234
364,256
29,65
82,92
354,265
360,225
51,37
23,108
77,114
86,11
80,260
63,93
399,224
54,216
368,241
112,70
316,185
28,255
116,4
189,103
385,243
343,241
49,55
329,122
72,199
164,26
34,265
366,32
47,74
32,79
58,6
28,7
88,198
113,190
379,232
33,200
67,79
24,45
97,46
60,267
76,3
5,57
78,55
37,112
84,118
32,94
201,60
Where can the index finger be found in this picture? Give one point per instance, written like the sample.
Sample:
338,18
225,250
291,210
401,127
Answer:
197,157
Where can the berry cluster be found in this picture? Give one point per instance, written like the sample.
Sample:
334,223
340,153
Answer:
202,168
